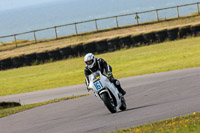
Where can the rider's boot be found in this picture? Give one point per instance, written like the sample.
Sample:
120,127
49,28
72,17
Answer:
117,84
123,92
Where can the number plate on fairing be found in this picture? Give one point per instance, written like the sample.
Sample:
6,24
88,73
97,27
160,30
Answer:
98,85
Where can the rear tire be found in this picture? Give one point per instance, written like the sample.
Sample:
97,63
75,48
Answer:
108,103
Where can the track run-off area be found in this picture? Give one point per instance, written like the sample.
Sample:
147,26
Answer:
149,98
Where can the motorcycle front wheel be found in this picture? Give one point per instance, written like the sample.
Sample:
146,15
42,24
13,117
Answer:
108,103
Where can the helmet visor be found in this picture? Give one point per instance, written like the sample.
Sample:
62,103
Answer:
89,62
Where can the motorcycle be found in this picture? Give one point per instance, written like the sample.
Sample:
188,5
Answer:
107,92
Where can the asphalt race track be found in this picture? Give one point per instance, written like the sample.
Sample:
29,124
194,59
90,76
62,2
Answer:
149,98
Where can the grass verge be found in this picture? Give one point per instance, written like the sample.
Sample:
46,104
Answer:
184,124
13,110
161,57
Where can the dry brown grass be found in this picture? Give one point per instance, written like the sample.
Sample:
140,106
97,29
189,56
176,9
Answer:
131,30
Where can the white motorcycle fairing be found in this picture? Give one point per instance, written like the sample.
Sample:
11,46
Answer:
103,88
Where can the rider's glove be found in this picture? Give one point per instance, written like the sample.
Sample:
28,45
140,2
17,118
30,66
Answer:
109,75
88,88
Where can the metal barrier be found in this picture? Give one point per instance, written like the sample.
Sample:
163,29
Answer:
95,21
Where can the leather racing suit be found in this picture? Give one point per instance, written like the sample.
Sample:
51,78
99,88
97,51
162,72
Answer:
102,66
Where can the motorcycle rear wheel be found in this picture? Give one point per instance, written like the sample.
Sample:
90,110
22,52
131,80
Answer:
108,103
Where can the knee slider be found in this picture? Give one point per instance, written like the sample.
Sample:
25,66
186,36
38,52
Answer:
117,82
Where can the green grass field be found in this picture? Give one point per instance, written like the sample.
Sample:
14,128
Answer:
161,57
184,124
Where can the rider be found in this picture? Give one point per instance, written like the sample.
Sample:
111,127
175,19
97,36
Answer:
94,64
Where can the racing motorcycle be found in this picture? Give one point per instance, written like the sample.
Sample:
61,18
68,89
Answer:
107,92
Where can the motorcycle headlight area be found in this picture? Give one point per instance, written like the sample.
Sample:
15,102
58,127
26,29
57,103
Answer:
96,76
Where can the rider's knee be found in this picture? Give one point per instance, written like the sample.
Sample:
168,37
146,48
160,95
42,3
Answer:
117,82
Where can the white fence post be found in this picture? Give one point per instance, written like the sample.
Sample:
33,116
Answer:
35,36
117,22
158,19
56,32
96,25
177,11
15,40
76,29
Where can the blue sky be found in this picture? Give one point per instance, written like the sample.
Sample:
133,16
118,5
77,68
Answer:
13,4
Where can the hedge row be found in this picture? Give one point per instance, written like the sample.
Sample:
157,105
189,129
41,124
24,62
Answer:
4,105
102,46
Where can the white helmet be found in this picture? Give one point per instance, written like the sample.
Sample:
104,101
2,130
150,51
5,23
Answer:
89,60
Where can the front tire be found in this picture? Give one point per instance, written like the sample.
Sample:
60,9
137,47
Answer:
108,103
